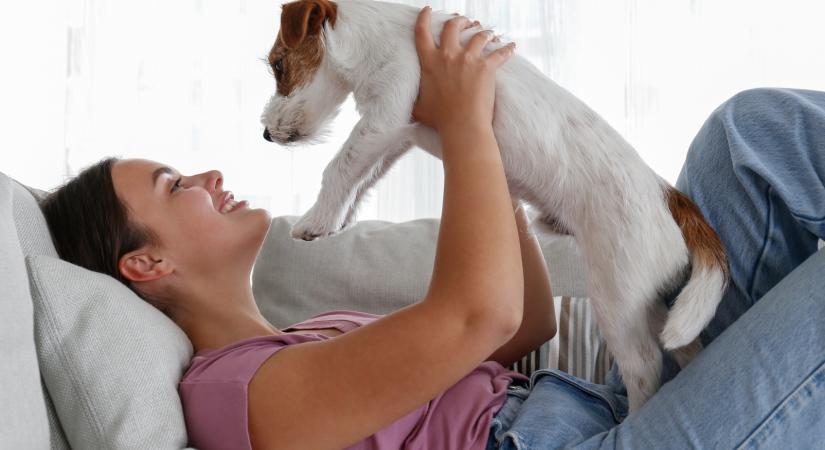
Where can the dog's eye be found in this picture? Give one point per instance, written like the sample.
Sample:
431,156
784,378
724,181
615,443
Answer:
279,67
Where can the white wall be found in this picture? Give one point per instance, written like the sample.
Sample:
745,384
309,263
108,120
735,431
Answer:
33,90
182,82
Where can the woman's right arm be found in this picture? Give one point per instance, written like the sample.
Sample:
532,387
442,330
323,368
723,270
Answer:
333,393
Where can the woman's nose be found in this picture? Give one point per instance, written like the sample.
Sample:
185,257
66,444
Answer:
216,180
212,180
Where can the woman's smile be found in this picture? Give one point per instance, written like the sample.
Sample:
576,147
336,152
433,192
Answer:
231,205
228,203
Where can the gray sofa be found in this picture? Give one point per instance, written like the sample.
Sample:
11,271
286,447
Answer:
86,364
28,420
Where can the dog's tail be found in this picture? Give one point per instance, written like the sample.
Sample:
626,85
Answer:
696,303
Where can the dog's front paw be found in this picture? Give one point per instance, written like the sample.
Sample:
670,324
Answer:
314,226
349,219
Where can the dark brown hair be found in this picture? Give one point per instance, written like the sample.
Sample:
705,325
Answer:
90,225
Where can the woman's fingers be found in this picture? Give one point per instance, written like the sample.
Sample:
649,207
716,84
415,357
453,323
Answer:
449,35
501,55
479,40
424,42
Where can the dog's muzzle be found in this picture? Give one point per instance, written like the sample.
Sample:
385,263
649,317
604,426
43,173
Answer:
293,136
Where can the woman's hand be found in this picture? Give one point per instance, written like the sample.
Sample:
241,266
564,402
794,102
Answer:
457,86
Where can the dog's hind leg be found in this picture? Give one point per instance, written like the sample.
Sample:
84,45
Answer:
684,355
638,355
624,323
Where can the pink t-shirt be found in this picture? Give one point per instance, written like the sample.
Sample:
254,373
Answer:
214,396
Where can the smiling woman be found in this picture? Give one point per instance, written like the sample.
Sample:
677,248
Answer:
159,232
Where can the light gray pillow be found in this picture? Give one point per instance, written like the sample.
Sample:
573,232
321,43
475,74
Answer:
375,266
379,267
110,361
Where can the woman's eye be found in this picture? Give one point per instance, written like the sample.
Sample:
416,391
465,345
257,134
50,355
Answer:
177,185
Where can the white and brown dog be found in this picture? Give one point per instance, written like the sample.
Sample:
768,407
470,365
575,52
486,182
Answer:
640,238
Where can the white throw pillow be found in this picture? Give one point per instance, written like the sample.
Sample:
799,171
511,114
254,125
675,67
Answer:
110,361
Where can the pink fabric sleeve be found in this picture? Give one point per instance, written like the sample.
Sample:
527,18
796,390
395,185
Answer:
214,392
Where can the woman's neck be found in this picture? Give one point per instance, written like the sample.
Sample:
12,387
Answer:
221,316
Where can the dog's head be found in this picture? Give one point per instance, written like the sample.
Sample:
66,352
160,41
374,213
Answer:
308,92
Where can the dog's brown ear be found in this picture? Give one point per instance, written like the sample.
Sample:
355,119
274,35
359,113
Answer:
305,18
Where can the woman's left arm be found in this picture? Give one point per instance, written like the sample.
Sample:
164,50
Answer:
538,323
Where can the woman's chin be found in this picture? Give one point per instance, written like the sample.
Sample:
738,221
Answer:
263,220
263,216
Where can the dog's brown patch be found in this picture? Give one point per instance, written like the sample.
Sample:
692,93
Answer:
702,241
299,48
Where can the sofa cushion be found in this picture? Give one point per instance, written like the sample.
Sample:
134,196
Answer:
23,419
379,267
34,238
110,361
374,267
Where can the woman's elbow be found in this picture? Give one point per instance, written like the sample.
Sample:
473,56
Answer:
552,330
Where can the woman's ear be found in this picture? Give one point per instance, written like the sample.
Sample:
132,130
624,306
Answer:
142,265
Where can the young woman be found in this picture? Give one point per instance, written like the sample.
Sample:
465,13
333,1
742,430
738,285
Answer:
431,375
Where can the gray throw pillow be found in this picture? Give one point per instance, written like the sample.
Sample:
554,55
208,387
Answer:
379,267
375,266
110,361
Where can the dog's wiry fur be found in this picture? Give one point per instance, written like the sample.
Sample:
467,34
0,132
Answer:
639,237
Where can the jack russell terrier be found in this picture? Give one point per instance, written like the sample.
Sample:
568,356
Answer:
640,238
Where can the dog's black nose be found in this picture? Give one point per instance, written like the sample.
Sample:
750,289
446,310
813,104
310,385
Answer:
266,135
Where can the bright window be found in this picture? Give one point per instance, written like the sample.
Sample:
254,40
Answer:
182,82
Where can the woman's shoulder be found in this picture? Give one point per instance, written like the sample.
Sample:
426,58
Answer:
213,391
343,320
237,362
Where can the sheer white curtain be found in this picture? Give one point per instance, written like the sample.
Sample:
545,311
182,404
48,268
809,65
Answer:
183,82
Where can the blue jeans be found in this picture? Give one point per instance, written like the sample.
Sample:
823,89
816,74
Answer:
757,171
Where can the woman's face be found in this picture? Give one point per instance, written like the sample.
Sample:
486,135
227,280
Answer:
195,234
